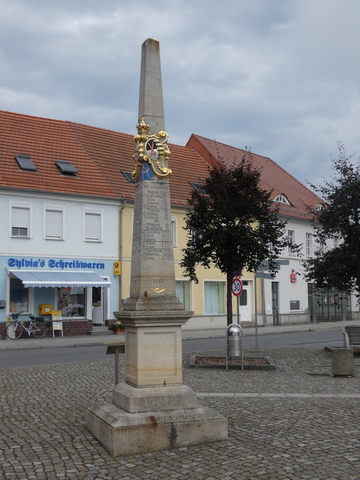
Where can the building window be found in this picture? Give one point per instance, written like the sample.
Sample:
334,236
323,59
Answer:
128,176
183,293
214,297
244,298
19,297
173,231
291,238
93,226
66,168
281,199
71,301
54,223
20,221
197,187
25,163
308,244
294,304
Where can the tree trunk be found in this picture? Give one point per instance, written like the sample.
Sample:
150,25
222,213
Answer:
229,278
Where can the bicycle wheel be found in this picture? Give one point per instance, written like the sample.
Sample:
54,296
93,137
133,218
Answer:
38,329
13,330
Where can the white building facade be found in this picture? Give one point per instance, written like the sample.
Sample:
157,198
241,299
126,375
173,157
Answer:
58,251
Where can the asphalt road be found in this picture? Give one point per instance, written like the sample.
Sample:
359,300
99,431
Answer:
37,357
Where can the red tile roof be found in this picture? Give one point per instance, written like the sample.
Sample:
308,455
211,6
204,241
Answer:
99,155
273,177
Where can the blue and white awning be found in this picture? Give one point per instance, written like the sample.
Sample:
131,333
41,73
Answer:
39,278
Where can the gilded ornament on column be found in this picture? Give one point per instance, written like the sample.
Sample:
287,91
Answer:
151,150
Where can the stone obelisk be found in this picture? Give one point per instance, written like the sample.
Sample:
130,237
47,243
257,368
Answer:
152,266
152,410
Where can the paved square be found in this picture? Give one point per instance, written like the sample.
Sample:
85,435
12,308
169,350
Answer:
297,422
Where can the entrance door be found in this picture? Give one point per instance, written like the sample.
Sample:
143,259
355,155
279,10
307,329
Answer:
245,312
97,304
275,302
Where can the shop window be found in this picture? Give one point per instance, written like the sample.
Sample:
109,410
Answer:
214,297
93,226
71,301
183,293
19,296
20,221
54,223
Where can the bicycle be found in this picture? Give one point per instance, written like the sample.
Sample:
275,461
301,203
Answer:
15,328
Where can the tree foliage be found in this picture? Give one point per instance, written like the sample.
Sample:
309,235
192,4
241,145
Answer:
232,224
339,220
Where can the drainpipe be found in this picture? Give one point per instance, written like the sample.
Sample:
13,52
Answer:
120,252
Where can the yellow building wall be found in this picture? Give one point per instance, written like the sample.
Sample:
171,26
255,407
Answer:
196,290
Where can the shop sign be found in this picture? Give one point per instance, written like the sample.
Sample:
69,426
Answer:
54,263
117,268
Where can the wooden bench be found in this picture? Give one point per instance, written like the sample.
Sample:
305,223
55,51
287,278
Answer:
352,337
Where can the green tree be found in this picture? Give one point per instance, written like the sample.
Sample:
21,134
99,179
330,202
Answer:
338,218
232,224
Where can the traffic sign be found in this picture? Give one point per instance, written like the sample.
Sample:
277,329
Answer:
265,264
236,286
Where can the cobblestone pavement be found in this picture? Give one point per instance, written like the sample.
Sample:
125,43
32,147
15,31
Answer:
296,422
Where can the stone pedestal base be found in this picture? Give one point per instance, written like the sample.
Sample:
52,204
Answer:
152,410
343,362
153,354
136,400
124,433
156,418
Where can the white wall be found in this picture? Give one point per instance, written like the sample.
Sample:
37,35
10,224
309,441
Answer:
73,243
72,246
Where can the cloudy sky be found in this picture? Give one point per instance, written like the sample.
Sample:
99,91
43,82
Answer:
279,76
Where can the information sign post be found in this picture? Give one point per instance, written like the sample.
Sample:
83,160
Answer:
237,288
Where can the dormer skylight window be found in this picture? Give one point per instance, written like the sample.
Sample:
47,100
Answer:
196,187
66,168
25,163
128,177
282,199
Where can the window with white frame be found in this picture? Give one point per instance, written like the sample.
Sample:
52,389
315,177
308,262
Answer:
281,199
20,221
93,226
183,292
214,294
291,238
308,245
54,223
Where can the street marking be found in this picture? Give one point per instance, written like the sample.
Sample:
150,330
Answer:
280,395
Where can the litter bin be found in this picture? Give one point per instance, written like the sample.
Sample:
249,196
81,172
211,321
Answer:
233,342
